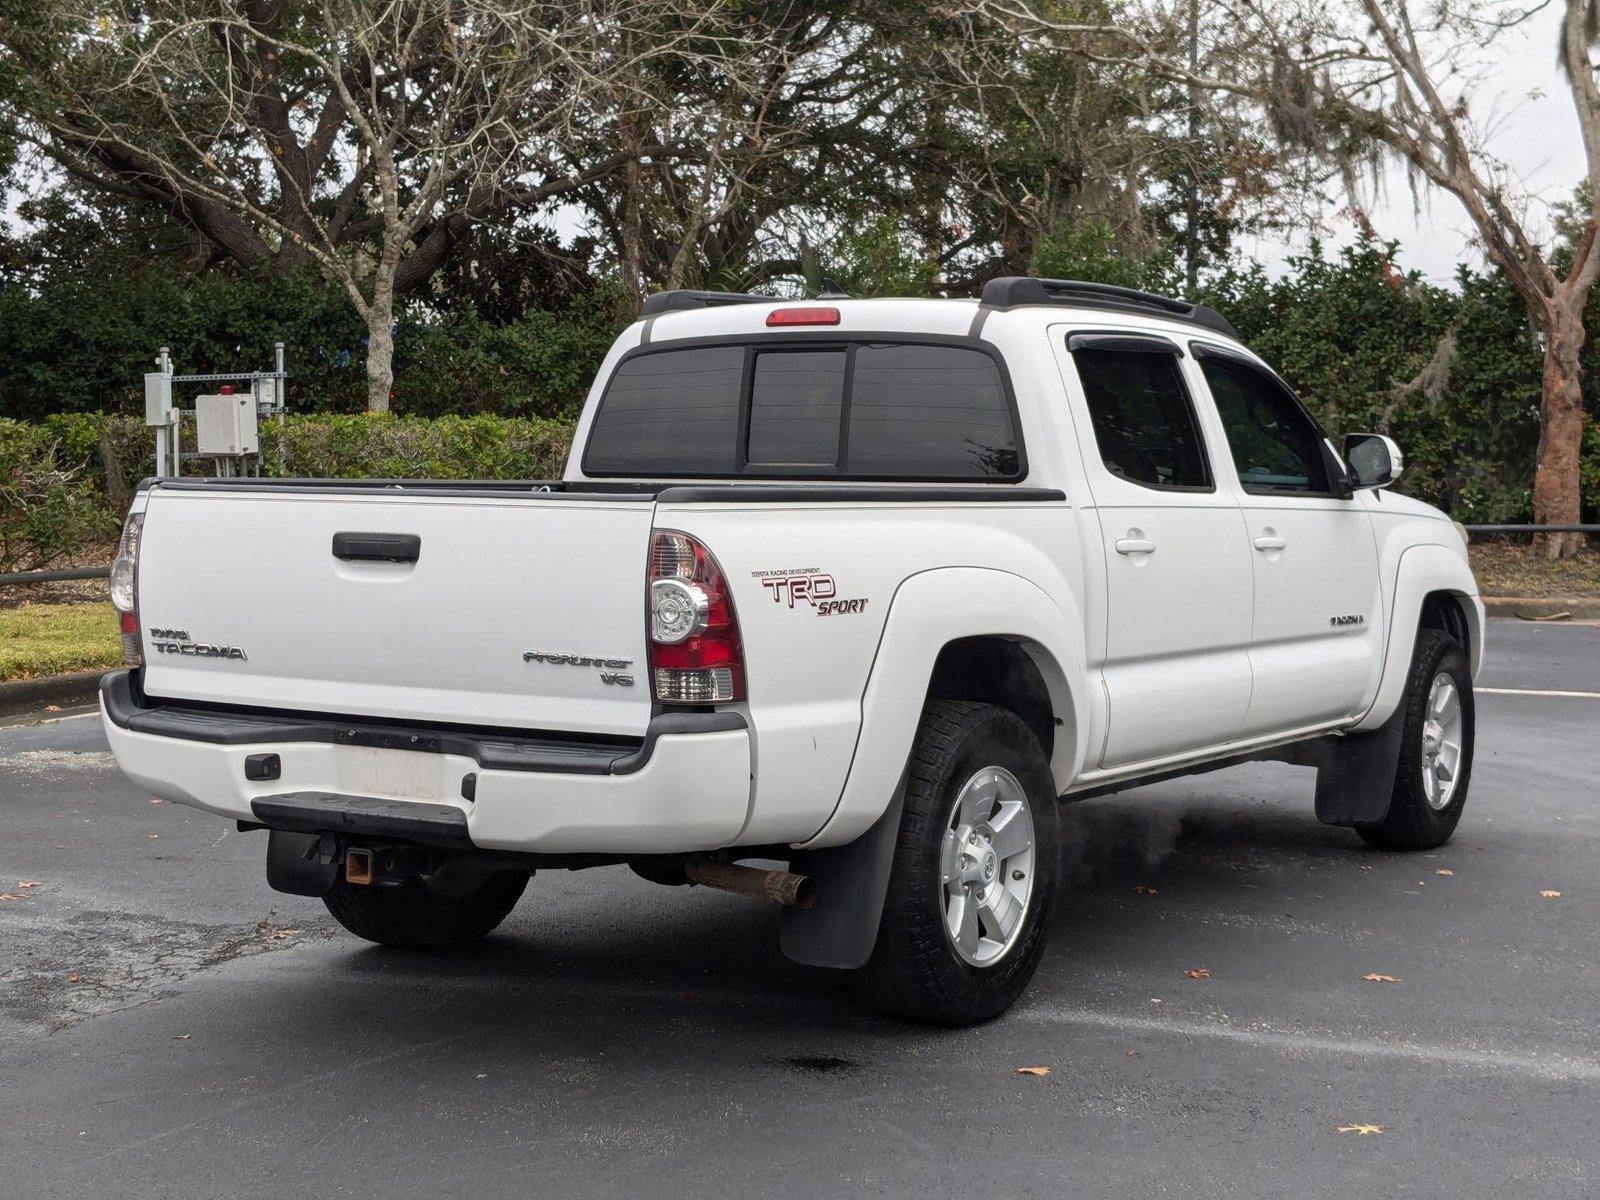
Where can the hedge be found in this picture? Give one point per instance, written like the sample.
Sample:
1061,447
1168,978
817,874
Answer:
64,481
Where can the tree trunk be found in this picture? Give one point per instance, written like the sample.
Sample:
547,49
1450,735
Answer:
1556,496
380,346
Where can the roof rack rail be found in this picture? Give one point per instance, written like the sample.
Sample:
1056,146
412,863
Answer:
683,300
1014,291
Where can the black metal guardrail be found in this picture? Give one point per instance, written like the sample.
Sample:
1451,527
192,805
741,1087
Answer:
22,577
1533,528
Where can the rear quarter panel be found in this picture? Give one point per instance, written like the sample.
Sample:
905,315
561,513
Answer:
815,585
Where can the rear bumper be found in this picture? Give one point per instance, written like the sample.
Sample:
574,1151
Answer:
686,787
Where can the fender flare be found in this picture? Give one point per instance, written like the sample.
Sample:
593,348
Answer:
850,857
1422,569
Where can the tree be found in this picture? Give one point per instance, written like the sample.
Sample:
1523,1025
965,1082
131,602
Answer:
1347,82
363,138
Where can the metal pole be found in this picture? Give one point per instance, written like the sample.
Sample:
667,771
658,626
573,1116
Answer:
163,431
283,402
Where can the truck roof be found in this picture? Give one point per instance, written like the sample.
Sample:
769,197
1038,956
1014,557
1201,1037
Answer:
691,314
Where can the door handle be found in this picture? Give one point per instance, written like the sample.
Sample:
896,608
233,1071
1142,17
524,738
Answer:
1135,546
1270,541
377,547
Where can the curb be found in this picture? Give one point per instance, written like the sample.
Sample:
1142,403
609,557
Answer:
1578,608
30,695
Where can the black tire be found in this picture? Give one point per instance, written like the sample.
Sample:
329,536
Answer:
414,916
1412,823
915,971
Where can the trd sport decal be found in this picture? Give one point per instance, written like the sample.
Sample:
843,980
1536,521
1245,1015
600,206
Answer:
809,586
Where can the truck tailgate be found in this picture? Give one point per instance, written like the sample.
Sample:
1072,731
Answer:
498,578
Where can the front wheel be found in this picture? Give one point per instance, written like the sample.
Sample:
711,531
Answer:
974,873
1430,784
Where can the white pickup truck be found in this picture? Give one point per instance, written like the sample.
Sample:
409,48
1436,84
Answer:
862,587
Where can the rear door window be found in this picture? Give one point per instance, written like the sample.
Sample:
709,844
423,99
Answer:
1144,422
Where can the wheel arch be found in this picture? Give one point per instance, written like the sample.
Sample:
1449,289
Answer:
1433,588
989,634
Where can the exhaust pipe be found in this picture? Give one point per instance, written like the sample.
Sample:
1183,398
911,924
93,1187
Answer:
780,887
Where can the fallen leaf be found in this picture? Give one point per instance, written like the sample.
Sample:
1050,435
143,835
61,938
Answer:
152,836
280,934
1361,1129
1376,978
155,799
9,896
1033,1070
1198,972
29,883
1140,889
182,1037
73,978
52,708
1550,894
1444,871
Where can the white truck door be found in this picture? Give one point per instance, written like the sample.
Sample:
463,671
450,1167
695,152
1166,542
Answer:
1317,637
1178,583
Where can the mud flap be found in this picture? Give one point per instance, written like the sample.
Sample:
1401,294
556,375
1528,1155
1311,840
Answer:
299,864
840,929
1355,773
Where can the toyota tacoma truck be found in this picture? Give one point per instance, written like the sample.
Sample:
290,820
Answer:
835,601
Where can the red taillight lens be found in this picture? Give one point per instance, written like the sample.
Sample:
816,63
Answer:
803,316
695,653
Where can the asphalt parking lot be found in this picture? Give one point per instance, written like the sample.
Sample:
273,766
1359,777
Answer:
171,1027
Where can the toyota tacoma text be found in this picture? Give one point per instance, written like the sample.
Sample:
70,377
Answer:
853,590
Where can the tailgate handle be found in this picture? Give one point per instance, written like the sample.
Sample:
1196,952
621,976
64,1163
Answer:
377,547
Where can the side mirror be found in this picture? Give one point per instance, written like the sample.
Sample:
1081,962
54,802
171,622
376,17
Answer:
1375,461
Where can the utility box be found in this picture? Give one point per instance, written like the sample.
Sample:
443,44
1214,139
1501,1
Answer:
225,426
158,399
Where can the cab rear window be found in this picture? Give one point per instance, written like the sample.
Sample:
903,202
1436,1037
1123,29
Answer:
859,410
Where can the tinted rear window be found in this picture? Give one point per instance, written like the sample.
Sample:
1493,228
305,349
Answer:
929,410
868,410
680,407
795,400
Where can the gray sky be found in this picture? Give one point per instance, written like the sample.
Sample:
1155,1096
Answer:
1532,127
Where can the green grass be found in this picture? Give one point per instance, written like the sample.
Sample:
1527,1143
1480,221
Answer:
56,639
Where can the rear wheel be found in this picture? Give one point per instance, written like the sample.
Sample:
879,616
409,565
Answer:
974,873
417,915
1430,784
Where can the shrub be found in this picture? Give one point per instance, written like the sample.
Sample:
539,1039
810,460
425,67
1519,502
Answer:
48,509
377,445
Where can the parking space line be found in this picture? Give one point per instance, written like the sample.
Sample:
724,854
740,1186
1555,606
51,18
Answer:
1489,691
1537,1066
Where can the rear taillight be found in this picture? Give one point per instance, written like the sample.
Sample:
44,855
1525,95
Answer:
695,653
125,588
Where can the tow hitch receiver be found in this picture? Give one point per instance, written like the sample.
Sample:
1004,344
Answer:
357,866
